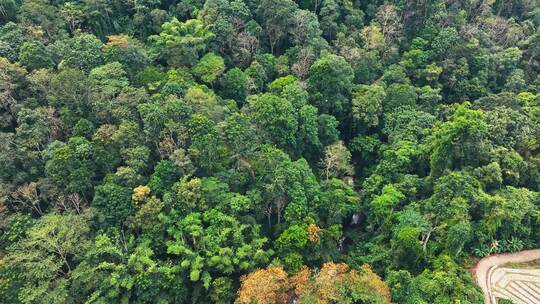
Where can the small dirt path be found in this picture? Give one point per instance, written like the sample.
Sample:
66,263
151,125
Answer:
483,267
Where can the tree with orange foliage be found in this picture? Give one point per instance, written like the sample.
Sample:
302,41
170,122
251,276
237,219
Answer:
121,41
338,283
333,283
128,51
264,286
313,233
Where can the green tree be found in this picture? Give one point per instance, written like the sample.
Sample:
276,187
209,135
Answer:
399,95
338,202
213,243
449,204
234,85
164,176
41,14
47,255
71,166
276,17
384,204
284,186
459,141
209,68
330,85
275,118
69,93
34,55
207,147
113,204
329,14
306,29
83,52
128,51
445,283
110,272
367,105
289,246
336,161
11,39
181,43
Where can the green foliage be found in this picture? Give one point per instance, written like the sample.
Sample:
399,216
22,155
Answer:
181,43
34,55
14,228
175,151
275,115
276,16
289,245
338,202
113,204
234,85
398,95
209,68
213,242
12,37
72,167
45,257
445,283
82,52
110,274
127,51
330,83
383,205
367,105
459,141
164,176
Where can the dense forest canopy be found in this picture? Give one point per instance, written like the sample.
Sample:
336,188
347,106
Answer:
269,151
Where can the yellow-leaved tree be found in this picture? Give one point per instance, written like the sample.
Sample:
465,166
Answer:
333,283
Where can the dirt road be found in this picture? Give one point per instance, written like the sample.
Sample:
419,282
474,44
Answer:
482,270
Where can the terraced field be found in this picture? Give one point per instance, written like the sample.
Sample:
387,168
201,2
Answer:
517,285
520,285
